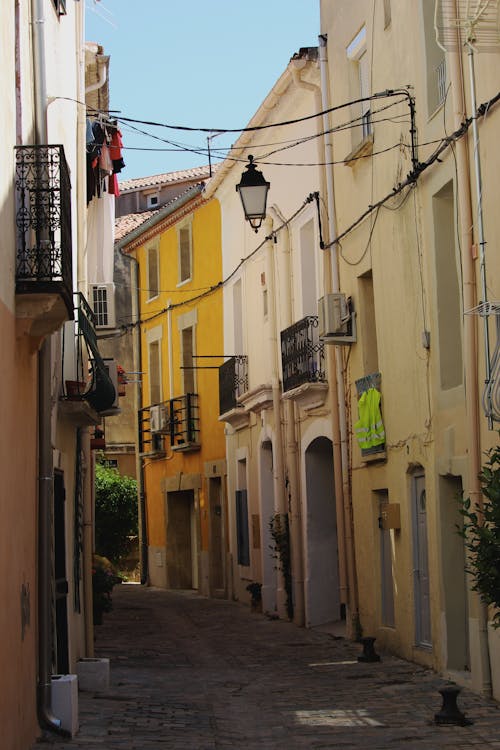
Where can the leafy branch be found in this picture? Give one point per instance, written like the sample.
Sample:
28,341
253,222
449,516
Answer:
481,532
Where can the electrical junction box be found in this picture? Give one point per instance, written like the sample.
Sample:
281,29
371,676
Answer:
390,516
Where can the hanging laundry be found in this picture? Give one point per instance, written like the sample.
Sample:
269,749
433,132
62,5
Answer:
370,427
115,151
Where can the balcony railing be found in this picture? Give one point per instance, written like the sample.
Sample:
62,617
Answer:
233,381
302,354
93,383
43,221
177,420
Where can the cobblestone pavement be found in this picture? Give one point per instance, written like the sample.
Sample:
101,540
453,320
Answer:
195,674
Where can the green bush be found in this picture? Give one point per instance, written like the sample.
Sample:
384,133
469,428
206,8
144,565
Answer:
481,532
115,513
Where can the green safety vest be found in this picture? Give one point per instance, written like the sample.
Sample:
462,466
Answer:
369,427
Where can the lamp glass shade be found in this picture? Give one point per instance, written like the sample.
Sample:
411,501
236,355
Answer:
253,190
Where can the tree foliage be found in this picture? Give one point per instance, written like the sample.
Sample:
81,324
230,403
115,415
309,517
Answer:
481,532
115,513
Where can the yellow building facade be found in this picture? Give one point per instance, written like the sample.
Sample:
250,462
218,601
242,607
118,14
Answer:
181,442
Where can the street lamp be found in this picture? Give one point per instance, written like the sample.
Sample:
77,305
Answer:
253,190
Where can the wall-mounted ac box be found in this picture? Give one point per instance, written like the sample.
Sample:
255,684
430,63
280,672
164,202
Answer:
337,319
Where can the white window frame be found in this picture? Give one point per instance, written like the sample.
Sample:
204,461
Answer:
110,304
153,246
188,320
355,52
149,199
155,335
182,227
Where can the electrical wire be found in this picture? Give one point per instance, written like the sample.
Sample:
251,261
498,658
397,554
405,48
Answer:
420,168
220,284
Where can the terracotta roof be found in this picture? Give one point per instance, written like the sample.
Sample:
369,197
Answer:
196,173
125,224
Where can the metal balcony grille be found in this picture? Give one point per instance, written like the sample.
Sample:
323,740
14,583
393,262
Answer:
302,354
43,221
233,381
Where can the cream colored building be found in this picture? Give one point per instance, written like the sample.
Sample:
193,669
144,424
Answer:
276,383
409,257
45,460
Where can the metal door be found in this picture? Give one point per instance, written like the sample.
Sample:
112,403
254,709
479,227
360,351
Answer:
421,564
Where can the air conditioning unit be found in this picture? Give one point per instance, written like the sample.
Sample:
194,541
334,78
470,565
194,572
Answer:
337,319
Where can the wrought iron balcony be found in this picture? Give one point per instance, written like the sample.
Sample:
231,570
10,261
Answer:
302,354
93,383
177,420
233,381
43,223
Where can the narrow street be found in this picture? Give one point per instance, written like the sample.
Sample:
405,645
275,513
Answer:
197,674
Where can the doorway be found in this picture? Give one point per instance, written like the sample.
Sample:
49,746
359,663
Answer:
217,537
181,536
453,562
322,566
61,582
422,607
269,602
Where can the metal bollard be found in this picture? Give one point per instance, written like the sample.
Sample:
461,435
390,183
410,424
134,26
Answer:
368,650
450,713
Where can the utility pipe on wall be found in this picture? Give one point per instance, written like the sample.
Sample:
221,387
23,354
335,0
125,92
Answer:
339,417
294,507
470,336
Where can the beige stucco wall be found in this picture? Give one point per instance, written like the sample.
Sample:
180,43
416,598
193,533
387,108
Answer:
425,422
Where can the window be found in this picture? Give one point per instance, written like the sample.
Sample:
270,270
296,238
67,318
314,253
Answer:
60,6
185,253
360,83
449,318
435,60
387,13
153,272
308,269
187,344
242,536
153,200
153,339
103,305
368,323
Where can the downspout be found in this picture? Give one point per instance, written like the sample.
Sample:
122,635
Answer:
325,150
139,468
101,80
470,335
278,468
339,417
45,462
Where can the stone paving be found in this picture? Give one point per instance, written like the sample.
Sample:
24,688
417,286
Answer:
195,674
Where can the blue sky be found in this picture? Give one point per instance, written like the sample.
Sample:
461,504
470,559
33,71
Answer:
197,63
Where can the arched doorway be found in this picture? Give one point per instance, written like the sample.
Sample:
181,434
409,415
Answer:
322,566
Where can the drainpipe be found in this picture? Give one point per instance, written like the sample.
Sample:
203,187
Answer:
45,463
139,468
325,154
278,469
339,417
102,75
470,335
